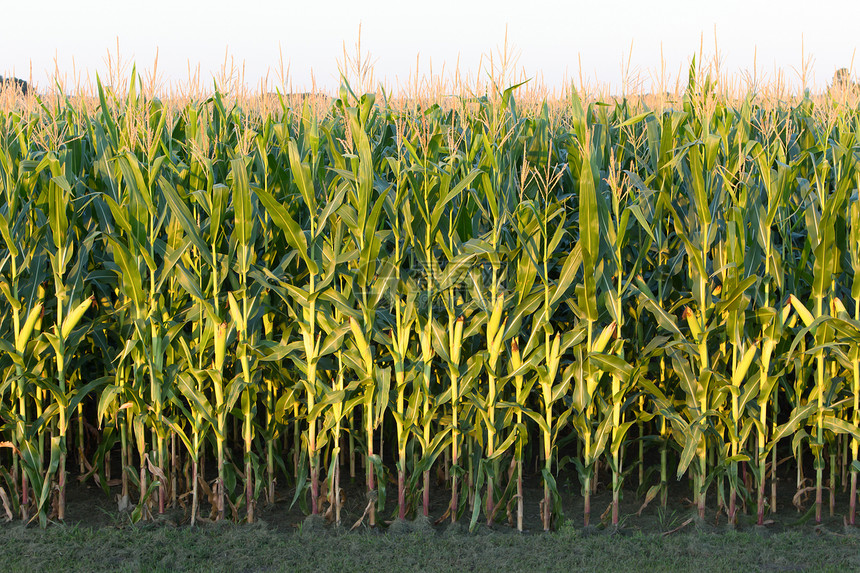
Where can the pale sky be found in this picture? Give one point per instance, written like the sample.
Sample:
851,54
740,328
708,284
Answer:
549,37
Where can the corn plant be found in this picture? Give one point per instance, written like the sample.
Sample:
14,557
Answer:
474,287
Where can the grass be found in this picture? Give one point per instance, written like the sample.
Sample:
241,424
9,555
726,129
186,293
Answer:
260,548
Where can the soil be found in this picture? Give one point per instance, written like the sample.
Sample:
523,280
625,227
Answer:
87,505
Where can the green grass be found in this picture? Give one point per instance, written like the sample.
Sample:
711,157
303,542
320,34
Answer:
258,548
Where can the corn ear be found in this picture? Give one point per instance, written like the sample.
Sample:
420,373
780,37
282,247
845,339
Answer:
74,317
27,329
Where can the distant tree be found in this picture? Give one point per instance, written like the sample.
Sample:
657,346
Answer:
14,83
842,82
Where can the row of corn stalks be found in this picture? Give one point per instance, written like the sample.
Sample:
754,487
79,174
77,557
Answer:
201,303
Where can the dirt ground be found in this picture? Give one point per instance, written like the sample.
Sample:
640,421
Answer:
87,505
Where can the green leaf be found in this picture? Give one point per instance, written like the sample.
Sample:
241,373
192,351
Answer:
840,426
186,220
129,275
302,176
589,232
244,218
292,232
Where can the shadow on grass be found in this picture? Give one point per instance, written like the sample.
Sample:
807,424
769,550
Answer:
226,547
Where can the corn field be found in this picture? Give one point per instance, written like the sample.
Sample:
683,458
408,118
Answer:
203,303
